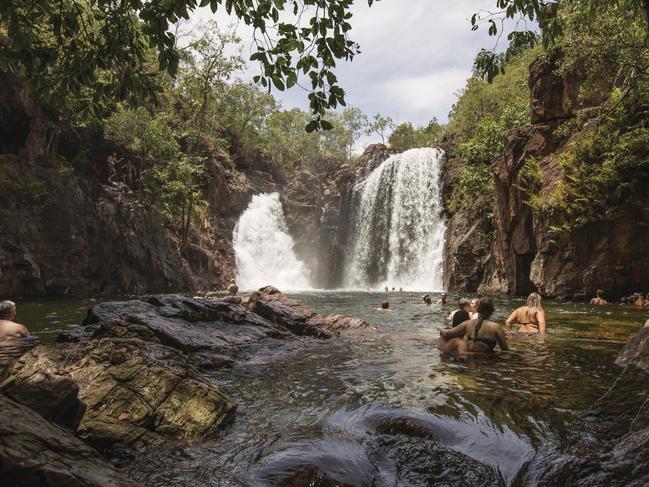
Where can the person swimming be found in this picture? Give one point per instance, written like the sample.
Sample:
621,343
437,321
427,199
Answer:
9,329
233,288
442,298
385,306
475,336
427,299
461,314
530,317
473,309
599,298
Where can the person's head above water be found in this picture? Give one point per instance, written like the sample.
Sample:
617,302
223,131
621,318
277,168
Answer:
600,293
485,307
427,299
385,305
534,301
464,303
7,310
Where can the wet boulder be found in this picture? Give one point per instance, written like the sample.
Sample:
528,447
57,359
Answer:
340,323
118,391
278,308
36,452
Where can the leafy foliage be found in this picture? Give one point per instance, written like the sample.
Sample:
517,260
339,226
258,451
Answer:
478,122
406,136
65,47
379,125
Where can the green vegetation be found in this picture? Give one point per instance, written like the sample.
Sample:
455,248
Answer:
65,47
407,136
478,122
606,165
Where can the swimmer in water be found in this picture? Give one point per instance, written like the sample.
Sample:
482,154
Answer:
599,300
531,317
385,306
442,299
427,299
475,336
473,309
9,329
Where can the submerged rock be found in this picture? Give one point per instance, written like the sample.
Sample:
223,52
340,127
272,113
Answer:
615,452
36,452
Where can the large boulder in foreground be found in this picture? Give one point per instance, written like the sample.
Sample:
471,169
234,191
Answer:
118,391
34,452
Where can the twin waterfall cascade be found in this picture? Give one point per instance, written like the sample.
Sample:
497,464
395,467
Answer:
264,249
397,231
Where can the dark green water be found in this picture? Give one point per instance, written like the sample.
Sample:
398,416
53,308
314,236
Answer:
326,410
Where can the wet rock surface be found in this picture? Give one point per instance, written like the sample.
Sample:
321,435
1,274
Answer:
615,451
35,452
281,310
132,376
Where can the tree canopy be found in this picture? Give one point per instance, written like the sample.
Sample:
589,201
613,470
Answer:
108,49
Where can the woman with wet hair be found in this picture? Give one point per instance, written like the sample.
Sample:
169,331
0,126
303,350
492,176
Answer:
475,336
530,317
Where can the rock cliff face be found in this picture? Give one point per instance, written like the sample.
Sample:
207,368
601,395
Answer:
67,232
467,240
523,257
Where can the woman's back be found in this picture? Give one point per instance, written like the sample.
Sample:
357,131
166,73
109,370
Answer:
486,337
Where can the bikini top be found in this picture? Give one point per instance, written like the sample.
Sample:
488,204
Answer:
491,343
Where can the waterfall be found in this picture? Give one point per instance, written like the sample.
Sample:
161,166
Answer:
397,227
264,249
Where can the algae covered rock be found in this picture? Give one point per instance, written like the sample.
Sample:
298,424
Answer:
113,391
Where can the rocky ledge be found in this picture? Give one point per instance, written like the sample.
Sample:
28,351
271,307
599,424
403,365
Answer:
133,376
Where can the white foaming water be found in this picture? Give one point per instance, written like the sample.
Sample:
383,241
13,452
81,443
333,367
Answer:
264,249
397,228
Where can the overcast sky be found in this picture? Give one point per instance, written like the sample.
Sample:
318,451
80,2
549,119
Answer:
416,55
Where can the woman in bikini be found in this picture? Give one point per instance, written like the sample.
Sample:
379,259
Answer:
475,336
531,317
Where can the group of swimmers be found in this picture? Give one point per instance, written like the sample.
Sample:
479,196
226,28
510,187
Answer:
474,332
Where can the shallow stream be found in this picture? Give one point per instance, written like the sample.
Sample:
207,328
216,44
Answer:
386,408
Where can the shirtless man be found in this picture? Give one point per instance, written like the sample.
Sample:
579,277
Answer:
442,299
531,317
8,328
598,299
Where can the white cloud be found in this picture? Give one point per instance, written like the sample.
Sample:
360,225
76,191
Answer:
416,55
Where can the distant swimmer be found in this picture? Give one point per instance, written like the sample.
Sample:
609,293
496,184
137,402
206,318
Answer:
233,289
385,306
387,290
442,298
8,328
599,298
461,314
473,309
427,299
531,317
476,336
393,289
401,290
